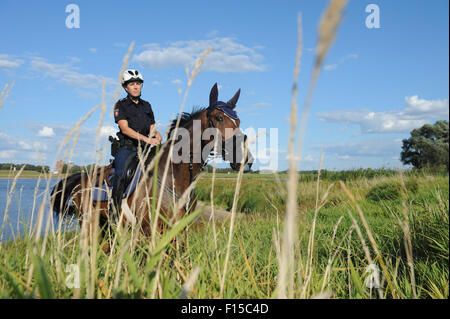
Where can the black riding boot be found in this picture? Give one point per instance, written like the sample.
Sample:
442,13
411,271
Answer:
116,197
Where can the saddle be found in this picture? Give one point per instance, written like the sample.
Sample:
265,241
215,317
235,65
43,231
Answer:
124,183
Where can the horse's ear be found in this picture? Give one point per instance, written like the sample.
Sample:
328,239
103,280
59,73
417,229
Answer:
232,102
213,95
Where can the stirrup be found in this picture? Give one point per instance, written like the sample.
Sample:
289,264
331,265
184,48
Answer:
113,211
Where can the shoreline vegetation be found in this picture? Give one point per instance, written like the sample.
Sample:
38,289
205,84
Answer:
6,174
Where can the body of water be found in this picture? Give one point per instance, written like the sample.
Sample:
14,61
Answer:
19,208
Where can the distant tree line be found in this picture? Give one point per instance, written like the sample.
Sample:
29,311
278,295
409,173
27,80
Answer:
209,169
28,167
45,169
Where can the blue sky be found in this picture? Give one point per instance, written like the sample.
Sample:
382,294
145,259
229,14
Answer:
376,85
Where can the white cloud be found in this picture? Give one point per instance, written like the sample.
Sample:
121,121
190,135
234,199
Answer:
416,107
66,73
261,105
93,50
255,114
330,67
416,113
31,146
373,122
227,56
88,94
177,82
7,154
36,149
253,109
304,159
46,132
351,56
367,148
334,66
309,158
49,69
212,34
9,62
17,149
87,80
25,145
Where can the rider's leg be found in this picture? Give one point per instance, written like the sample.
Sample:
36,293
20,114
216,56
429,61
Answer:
120,161
121,158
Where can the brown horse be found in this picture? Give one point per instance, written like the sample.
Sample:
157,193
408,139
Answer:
198,135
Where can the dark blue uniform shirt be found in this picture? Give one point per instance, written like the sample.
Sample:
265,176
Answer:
139,116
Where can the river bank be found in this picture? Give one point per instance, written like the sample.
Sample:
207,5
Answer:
7,174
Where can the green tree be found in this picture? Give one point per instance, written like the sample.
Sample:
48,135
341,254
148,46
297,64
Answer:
427,146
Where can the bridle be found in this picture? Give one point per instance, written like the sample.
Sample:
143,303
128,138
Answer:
210,125
193,177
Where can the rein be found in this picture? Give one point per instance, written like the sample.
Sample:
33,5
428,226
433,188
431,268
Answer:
191,166
191,160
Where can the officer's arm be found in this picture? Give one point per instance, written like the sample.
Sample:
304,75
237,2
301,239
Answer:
128,131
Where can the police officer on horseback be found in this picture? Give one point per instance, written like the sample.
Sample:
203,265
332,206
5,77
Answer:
137,128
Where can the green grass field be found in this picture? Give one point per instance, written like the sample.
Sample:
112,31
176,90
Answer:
25,174
337,267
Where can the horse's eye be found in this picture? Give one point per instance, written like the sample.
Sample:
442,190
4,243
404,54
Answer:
219,118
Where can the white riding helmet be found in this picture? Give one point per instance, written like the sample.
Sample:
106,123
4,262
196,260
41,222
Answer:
131,75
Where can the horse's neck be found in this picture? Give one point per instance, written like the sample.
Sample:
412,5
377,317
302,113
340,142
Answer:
183,170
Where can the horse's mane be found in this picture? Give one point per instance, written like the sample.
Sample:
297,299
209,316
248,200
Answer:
186,119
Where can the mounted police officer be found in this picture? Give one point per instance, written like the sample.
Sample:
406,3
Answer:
137,127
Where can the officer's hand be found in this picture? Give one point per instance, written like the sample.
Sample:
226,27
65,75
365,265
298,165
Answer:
154,141
158,137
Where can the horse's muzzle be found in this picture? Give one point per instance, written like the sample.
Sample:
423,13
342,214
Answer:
234,151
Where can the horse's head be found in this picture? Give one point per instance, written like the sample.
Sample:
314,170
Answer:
224,118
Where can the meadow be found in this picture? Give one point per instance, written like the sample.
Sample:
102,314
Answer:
6,174
407,215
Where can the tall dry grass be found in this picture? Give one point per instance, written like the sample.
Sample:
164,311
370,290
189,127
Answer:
5,92
327,32
286,257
